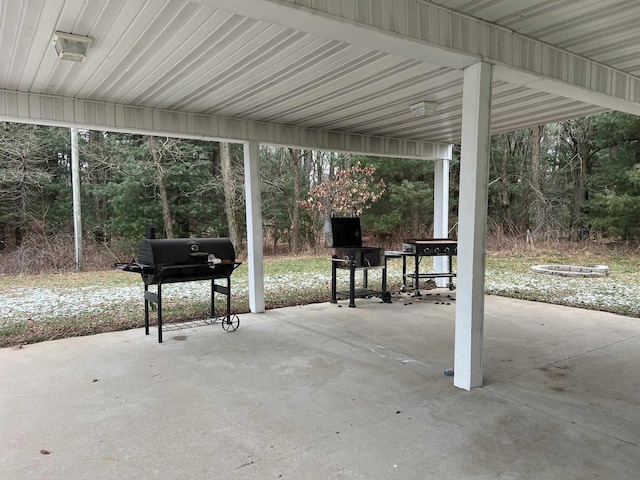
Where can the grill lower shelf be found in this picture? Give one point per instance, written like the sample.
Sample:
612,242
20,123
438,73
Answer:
230,322
353,292
360,293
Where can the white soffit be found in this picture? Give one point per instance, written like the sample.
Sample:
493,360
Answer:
334,67
461,38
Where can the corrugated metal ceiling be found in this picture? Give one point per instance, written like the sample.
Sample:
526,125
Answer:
603,30
184,56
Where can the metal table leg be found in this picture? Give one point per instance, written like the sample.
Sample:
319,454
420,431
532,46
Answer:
416,278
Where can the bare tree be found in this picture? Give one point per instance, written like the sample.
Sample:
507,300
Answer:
579,137
352,190
505,195
537,204
156,156
295,156
229,181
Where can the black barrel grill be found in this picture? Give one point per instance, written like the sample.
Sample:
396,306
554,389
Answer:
175,260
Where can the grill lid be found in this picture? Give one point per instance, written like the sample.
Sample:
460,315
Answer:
343,232
183,260
163,252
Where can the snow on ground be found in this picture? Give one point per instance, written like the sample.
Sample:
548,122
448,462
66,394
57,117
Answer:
22,303
36,303
600,293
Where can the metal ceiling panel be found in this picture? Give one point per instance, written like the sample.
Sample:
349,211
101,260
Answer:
176,55
607,31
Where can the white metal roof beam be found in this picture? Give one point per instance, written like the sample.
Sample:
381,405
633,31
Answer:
439,36
574,92
70,112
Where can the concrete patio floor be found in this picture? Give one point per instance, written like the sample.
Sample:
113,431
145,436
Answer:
328,392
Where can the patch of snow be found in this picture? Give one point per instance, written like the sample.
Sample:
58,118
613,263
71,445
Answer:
38,303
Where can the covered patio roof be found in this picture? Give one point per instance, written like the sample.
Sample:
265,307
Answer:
320,73
336,75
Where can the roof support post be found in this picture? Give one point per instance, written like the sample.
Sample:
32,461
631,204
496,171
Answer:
77,211
254,226
441,213
472,221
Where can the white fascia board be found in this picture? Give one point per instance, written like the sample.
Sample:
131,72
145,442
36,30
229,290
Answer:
22,107
443,37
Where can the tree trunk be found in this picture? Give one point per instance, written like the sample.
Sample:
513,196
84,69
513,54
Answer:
537,206
319,167
96,144
229,181
507,222
307,167
580,142
162,188
294,156
579,171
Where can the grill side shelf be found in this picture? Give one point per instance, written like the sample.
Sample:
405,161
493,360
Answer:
134,267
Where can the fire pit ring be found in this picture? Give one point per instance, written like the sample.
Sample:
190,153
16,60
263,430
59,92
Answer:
571,270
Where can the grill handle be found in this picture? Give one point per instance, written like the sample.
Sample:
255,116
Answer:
212,260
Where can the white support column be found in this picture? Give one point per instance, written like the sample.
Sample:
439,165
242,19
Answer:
472,225
75,189
254,226
441,213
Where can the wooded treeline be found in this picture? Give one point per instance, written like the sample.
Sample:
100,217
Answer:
576,179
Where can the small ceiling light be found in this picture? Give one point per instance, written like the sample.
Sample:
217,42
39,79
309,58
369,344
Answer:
71,47
422,109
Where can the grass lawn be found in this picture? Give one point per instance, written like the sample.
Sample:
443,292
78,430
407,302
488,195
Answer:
46,307
619,292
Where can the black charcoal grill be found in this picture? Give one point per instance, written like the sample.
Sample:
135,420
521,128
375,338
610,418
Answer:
344,234
175,260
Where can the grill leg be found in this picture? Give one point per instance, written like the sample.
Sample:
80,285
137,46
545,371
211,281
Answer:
352,284
404,274
384,278
416,280
228,299
213,299
385,296
333,282
159,312
146,310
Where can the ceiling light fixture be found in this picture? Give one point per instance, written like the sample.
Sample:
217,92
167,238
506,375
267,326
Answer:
423,109
71,47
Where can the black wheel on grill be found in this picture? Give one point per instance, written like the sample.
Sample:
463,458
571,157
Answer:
230,324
